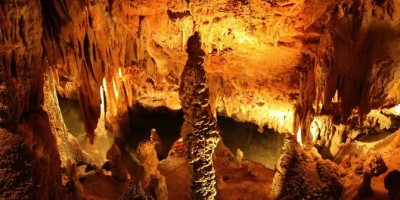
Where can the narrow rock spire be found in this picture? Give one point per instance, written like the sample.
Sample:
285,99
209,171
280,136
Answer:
199,131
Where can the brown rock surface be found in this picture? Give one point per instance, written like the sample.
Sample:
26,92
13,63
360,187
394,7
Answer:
151,179
30,163
303,174
276,62
199,131
68,146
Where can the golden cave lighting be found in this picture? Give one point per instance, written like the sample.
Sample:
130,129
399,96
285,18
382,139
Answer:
104,85
392,111
115,88
119,73
242,38
298,137
320,105
396,110
335,99
314,129
281,117
101,97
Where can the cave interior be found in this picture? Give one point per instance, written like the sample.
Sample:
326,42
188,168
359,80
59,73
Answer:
194,99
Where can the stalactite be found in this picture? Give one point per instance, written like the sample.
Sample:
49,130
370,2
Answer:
200,130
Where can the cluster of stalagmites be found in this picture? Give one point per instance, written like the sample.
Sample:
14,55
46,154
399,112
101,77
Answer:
147,182
200,130
303,174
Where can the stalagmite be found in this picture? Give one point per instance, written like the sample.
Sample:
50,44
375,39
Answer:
326,70
74,185
374,166
118,172
200,130
151,179
303,174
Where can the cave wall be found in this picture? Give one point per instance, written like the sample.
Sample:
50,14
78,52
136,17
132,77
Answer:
30,163
359,57
21,59
356,73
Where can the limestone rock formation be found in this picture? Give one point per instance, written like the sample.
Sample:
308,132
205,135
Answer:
329,68
30,163
68,146
199,130
155,138
134,191
118,172
303,174
74,186
373,166
152,181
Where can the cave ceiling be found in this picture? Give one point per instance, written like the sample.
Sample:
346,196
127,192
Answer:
270,62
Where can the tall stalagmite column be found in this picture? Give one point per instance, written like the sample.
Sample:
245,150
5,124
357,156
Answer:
199,130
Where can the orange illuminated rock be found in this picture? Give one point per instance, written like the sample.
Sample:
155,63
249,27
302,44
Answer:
200,132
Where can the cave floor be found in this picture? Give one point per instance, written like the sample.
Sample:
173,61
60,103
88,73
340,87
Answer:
235,180
251,180
388,148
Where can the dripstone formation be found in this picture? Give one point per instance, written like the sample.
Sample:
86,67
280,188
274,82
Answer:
199,130
302,174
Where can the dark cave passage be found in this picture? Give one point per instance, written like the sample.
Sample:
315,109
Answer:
264,148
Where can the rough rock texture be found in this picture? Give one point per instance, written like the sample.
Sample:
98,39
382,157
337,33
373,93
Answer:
74,186
30,163
275,63
363,39
199,130
234,179
134,190
303,174
14,167
373,166
355,159
87,41
118,171
356,64
68,146
151,179
21,67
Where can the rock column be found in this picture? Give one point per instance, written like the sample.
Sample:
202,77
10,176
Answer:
200,130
